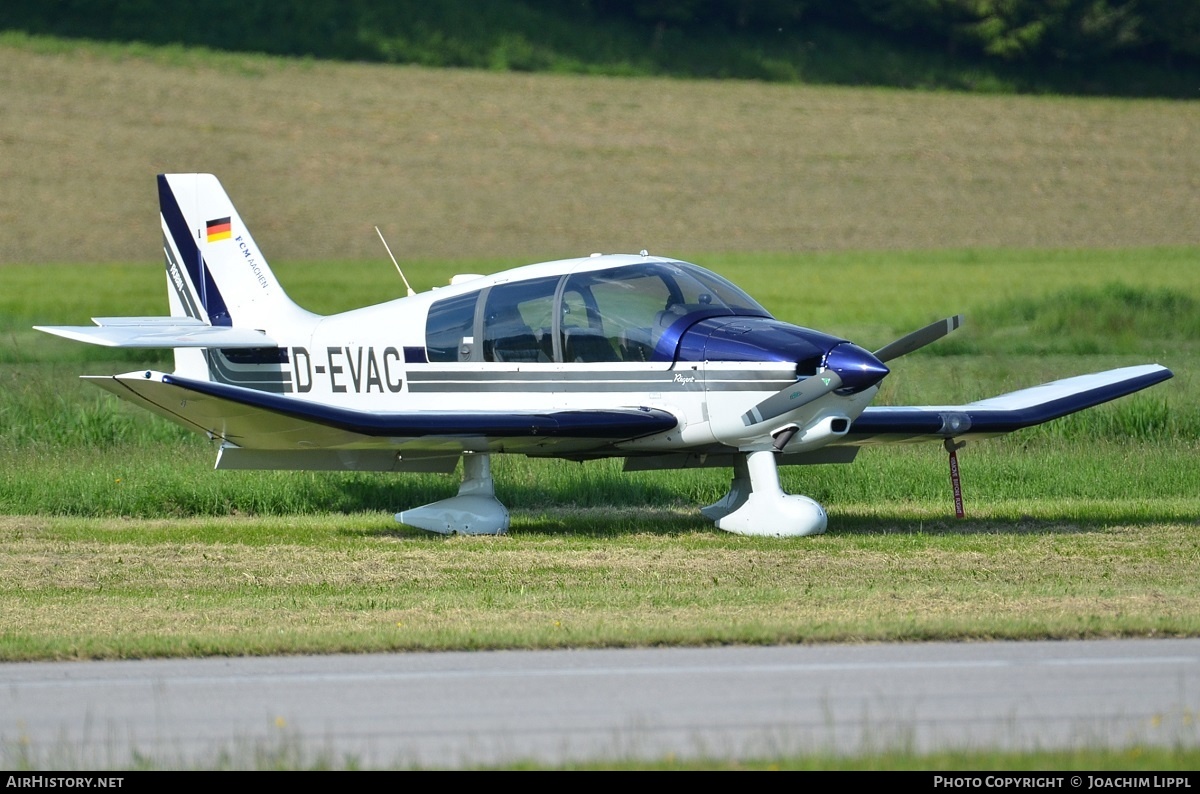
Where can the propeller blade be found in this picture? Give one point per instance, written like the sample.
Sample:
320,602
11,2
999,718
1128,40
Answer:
918,339
793,396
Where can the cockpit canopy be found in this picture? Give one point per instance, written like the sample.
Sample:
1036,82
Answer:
629,313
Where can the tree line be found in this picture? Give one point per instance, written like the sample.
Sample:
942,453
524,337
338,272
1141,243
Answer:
454,32
1032,30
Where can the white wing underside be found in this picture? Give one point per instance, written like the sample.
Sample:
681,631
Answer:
260,430
1004,413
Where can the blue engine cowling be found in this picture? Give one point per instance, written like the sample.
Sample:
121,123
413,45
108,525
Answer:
767,339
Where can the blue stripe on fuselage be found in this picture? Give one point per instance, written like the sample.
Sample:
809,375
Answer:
616,424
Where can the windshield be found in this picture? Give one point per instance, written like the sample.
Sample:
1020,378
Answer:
638,312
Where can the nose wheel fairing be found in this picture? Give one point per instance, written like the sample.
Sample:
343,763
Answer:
757,505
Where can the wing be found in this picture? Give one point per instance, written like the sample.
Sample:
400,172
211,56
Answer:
998,415
263,430
157,332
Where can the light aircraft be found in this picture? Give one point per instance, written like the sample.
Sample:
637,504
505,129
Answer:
654,360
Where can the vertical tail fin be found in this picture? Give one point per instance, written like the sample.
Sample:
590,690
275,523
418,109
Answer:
215,270
216,273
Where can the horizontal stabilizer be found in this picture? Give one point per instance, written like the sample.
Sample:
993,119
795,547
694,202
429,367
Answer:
159,332
1004,414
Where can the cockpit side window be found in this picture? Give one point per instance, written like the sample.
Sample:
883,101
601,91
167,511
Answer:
518,321
449,328
583,331
625,304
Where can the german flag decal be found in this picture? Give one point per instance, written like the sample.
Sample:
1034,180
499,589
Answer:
218,230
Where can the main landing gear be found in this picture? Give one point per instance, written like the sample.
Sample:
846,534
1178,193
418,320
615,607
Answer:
755,504
474,511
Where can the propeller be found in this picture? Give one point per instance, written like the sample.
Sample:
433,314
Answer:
793,396
918,339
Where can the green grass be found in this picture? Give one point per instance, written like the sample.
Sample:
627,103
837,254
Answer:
287,753
81,588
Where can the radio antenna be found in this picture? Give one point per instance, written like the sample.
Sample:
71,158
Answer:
394,262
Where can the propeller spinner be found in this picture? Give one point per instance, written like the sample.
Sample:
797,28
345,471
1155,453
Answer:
847,367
